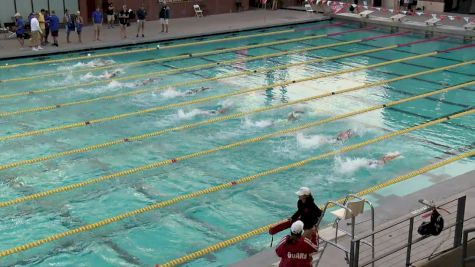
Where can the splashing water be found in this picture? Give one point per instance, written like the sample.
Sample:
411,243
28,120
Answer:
182,115
313,141
258,124
171,92
351,165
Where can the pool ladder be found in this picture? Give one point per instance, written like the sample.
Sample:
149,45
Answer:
352,206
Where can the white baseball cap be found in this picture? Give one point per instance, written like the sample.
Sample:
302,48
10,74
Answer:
297,227
17,15
303,191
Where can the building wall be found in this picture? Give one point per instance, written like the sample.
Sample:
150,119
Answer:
179,8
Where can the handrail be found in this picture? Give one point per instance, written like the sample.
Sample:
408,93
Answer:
460,198
466,259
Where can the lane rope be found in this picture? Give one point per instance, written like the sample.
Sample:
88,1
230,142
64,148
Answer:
208,151
205,99
94,69
164,47
177,70
264,229
92,226
219,119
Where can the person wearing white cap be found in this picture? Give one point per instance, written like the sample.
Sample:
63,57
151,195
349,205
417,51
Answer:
296,250
307,211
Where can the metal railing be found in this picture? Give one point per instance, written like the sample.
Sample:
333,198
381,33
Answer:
466,259
409,243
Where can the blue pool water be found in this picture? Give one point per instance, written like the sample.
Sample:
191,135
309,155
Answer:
170,232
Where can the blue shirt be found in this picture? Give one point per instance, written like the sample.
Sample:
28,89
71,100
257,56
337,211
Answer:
97,17
141,14
54,23
20,26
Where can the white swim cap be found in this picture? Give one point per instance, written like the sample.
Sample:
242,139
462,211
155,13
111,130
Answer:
297,227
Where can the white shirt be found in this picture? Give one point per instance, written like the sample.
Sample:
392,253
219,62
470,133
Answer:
35,25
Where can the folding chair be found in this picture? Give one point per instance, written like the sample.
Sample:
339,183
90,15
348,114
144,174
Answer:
198,11
309,8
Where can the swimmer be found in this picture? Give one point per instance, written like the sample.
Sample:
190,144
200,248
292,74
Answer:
345,135
100,62
146,81
294,115
385,159
195,91
109,75
222,110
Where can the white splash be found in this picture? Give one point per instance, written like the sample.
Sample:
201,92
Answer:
90,64
248,123
351,165
171,92
313,141
189,115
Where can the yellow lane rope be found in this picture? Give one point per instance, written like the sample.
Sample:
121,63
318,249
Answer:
92,226
261,230
209,151
171,46
158,73
142,91
201,54
206,99
219,119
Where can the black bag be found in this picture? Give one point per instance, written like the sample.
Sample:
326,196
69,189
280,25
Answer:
434,226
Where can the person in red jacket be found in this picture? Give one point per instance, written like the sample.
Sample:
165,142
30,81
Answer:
296,250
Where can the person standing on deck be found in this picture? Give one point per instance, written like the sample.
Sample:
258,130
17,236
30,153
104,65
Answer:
97,19
307,211
54,27
141,14
164,17
295,250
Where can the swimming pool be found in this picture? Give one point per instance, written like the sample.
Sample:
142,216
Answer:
178,120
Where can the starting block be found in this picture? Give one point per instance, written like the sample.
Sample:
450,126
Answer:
398,17
432,21
469,26
366,13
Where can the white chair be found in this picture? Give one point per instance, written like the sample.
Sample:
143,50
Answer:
398,17
366,13
309,8
432,21
198,11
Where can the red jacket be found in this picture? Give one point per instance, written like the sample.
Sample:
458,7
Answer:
298,254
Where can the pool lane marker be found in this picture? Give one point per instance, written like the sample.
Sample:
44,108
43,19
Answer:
264,229
178,70
227,117
122,216
154,48
216,149
164,59
147,90
201,100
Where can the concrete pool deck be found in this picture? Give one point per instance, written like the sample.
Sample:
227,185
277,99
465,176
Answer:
390,207
179,28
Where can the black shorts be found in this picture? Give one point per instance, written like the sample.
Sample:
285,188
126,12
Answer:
54,33
19,35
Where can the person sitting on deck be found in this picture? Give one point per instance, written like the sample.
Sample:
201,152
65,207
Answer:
307,211
296,250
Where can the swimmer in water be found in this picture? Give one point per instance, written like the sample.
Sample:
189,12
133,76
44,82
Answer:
145,82
385,159
196,91
100,62
294,115
345,135
109,75
222,110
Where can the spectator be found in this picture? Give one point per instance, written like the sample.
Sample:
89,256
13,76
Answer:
54,27
296,250
47,26
274,4
35,33
110,15
97,20
20,30
307,211
141,14
164,16
41,20
79,23
123,21
69,22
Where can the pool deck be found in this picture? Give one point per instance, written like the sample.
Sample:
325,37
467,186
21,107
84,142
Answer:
178,28
416,23
391,207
